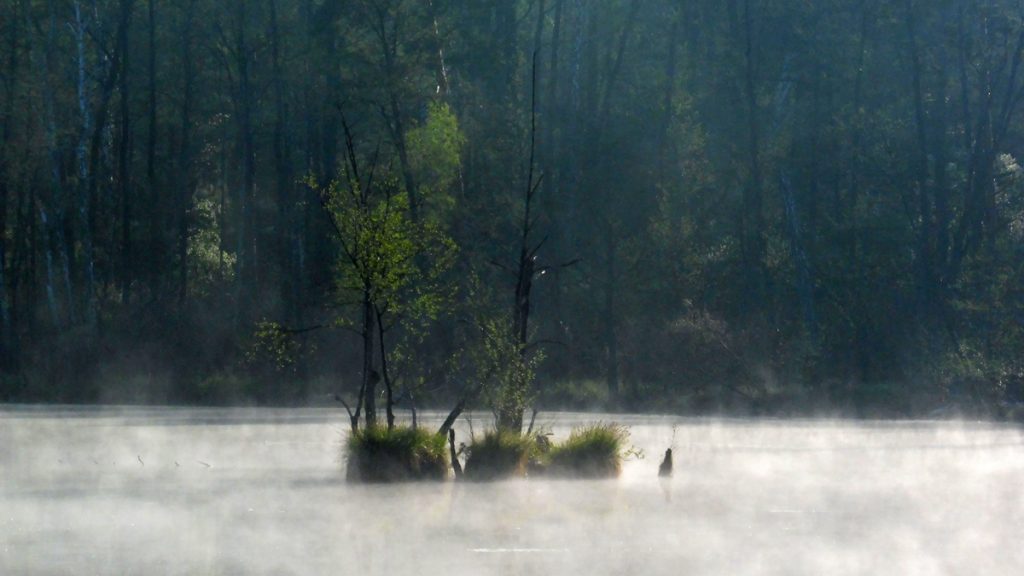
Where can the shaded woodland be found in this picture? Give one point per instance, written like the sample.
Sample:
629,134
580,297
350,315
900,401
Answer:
687,205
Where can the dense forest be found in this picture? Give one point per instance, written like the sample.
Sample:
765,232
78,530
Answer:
689,205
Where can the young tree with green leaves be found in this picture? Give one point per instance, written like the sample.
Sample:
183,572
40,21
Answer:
393,264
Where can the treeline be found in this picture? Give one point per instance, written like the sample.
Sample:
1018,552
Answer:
738,204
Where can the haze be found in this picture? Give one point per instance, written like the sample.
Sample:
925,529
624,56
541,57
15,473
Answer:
282,231
251,491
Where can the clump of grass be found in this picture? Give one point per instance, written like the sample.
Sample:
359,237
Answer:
499,454
592,451
401,454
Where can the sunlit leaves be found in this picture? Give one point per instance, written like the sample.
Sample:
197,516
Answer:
273,343
435,150
209,263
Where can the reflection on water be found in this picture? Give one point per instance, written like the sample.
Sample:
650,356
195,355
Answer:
252,491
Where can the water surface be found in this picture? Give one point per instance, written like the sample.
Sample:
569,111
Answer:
261,491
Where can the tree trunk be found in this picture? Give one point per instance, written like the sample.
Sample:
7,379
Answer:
389,391
185,185
6,126
924,260
438,48
611,337
155,209
282,169
125,159
246,226
668,98
752,214
396,115
370,377
50,230
506,33
91,177
82,160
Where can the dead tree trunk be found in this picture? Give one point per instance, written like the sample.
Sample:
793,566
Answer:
456,465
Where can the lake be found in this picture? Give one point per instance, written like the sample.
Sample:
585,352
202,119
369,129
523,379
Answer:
262,491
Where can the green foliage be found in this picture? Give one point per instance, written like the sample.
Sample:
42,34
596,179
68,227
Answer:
499,454
757,213
210,264
435,151
273,344
398,263
394,265
591,451
403,453
506,373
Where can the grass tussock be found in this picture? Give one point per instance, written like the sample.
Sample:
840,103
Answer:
398,455
592,451
499,454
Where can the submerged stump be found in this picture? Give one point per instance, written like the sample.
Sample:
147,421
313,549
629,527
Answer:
665,470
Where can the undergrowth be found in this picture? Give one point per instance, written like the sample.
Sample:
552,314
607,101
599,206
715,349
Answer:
403,453
591,451
499,454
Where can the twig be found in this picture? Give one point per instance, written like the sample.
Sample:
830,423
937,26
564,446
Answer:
533,419
353,418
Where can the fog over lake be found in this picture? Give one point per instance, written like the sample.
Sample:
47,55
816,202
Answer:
262,491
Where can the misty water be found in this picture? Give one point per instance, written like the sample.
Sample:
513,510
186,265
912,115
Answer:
262,491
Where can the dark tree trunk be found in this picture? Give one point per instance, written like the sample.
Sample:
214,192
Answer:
52,238
155,203
925,255
282,168
752,213
611,337
388,390
246,279
6,126
395,114
125,158
90,200
185,183
370,377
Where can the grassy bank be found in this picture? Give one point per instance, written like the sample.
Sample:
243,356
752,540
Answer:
500,454
591,451
401,454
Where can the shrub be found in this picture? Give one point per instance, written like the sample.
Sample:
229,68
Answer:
401,454
222,389
592,451
499,454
